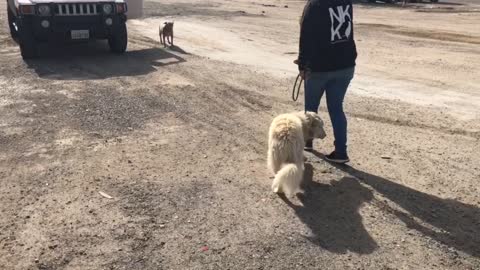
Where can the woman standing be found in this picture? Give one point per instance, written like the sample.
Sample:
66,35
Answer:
327,63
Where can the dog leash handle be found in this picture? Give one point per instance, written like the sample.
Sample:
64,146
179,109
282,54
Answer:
296,90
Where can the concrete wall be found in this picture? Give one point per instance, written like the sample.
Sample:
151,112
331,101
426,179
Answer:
135,9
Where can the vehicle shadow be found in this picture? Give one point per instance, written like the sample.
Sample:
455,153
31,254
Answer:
94,61
454,223
332,214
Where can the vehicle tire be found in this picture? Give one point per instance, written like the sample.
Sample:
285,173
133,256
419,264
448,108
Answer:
434,1
27,42
11,21
119,40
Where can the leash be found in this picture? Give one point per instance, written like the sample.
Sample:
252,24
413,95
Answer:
296,90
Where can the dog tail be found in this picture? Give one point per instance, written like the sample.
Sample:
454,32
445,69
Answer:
288,179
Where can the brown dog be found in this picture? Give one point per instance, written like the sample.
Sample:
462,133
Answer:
166,33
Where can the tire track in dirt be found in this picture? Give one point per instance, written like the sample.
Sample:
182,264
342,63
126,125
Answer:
426,34
411,123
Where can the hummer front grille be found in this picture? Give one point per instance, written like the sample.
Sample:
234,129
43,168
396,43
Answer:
77,9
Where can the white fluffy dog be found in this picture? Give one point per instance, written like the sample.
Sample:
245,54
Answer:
286,140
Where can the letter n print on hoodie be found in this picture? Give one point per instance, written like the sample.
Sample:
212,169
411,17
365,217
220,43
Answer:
341,23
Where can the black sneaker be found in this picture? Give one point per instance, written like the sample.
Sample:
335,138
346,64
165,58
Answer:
309,146
337,158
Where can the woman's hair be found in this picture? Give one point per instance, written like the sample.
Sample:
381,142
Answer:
301,17
303,13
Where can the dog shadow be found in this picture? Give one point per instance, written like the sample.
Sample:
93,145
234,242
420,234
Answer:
331,212
177,49
457,224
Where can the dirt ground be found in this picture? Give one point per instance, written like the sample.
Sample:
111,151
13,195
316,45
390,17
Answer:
178,138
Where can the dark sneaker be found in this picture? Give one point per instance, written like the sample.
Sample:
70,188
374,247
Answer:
337,158
308,146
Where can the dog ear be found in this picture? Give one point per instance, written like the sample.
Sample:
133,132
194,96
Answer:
165,23
309,116
317,120
308,124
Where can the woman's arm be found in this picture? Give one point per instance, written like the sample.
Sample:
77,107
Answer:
306,37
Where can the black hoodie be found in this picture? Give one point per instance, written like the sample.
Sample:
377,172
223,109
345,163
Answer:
326,36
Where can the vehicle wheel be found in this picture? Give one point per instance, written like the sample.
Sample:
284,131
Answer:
118,42
11,21
434,1
28,44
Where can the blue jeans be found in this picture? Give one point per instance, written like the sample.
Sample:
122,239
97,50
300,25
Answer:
335,84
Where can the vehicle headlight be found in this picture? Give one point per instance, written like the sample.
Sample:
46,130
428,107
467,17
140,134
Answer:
107,8
44,10
27,9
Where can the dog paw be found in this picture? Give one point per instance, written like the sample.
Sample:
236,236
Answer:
276,190
300,193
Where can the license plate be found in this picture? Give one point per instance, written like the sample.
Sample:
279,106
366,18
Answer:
80,34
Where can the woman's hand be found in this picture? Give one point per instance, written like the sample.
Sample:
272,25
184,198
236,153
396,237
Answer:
303,73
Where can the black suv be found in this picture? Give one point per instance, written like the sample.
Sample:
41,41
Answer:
33,21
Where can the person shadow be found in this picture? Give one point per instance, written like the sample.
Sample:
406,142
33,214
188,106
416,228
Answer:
450,222
331,212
